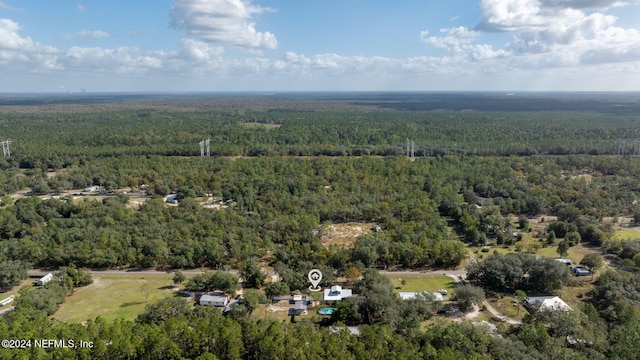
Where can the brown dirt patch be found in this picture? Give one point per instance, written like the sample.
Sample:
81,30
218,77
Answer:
344,235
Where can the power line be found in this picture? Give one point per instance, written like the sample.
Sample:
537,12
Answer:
5,147
411,149
204,145
621,146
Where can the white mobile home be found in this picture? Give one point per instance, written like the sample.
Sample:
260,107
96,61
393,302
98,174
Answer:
214,299
8,300
44,280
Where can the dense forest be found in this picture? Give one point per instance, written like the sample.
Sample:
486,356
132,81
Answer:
279,205
63,131
283,169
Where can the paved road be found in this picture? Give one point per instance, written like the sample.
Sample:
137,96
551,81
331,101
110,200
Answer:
41,272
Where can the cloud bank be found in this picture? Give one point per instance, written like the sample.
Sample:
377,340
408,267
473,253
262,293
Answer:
222,21
543,42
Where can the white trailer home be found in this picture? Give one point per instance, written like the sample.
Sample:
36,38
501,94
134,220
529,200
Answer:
44,280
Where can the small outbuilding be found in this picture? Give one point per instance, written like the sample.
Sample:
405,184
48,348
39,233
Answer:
567,262
580,271
214,299
8,300
170,199
44,280
546,303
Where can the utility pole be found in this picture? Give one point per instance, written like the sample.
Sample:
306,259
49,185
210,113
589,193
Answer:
411,149
204,148
621,146
5,147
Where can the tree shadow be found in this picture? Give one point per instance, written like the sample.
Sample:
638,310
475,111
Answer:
131,303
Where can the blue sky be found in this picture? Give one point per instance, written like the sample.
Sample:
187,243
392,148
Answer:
284,45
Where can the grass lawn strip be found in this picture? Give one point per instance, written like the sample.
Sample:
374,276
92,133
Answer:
421,282
115,296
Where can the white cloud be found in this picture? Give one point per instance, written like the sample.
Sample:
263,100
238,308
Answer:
86,34
585,4
460,42
120,60
22,50
5,6
334,64
199,51
222,21
454,38
547,35
551,39
561,30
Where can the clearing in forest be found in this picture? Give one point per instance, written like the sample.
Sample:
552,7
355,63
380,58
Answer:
344,235
115,296
421,282
261,125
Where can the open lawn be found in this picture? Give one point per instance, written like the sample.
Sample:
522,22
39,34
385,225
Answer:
573,295
261,125
626,233
15,291
576,253
115,296
282,313
508,306
420,282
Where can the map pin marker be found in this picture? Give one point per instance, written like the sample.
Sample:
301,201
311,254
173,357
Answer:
315,276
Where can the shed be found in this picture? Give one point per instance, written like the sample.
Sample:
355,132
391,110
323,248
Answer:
214,299
567,262
44,280
547,303
171,199
8,300
580,271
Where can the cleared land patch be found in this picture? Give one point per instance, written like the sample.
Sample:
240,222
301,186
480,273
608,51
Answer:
261,125
627,233
344,235
421,282
115,296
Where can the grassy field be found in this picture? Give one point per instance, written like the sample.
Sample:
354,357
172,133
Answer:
279,316
626,233
576,253
115,296
420,282
506,306
573,295
261,125
14,291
